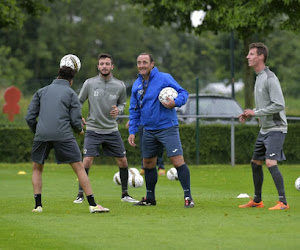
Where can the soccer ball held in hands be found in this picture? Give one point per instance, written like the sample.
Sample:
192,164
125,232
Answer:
167,92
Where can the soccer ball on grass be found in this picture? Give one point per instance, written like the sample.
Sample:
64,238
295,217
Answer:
133,171
167,92
172,174
297,184
71,61
117,179
135,180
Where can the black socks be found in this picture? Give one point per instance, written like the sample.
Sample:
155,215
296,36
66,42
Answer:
278,180
258,178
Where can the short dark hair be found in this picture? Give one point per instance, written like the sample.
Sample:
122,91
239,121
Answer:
147,54
66,73
105,55
262,49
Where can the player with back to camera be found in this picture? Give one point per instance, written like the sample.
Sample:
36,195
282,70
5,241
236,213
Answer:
107,98
58,111
270,110
160,126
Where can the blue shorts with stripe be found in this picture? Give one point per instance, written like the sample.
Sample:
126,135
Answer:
154,141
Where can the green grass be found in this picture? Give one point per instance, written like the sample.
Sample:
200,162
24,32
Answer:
215,222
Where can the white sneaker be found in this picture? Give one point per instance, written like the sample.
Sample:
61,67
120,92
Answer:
79,199
39,209
98,209
128,198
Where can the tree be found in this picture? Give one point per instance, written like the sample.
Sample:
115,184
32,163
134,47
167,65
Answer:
245,18
13,13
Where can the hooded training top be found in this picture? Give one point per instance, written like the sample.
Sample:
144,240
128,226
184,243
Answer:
101,95
146,109
269,100
58,111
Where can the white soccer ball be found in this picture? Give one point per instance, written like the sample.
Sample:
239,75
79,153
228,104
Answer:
132,171
172,174
71,61
117,179
135,180
297,184
167,92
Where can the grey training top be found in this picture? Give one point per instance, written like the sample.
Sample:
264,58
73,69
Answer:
58,111
101,95
269,100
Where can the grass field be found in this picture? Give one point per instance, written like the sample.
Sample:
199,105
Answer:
215,222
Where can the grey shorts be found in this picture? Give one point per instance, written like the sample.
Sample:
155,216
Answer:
112,144
65,151
269,146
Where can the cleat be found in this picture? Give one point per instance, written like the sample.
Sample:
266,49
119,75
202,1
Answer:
280,206
145,202
38,209
251,203
161,172
79,199
128,198
188,202
142,171
98,209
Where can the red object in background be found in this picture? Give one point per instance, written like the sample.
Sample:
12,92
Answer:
12,96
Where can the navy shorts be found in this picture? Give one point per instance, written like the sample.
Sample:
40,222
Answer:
269,146
65,151
154,141
112,144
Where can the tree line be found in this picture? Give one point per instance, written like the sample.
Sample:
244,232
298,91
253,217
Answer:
31,48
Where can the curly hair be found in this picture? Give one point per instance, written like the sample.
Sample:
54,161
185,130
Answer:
66,73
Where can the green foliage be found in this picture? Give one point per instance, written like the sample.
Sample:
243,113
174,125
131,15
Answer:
215,144
13,13
215,222
8,73
251,20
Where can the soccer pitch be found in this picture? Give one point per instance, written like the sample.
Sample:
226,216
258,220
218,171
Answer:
215,222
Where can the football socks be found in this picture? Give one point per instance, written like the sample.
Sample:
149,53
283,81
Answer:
278,180
258,178
124,179
151,180
91,200
184,178
38,200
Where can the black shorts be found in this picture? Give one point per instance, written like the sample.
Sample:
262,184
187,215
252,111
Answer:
112,144
65,151
269,146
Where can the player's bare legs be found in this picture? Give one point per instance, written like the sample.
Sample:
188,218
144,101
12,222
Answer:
82,177
88,161
86,186
177,160
37,183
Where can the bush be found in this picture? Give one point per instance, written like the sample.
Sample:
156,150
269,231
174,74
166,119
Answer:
214,144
